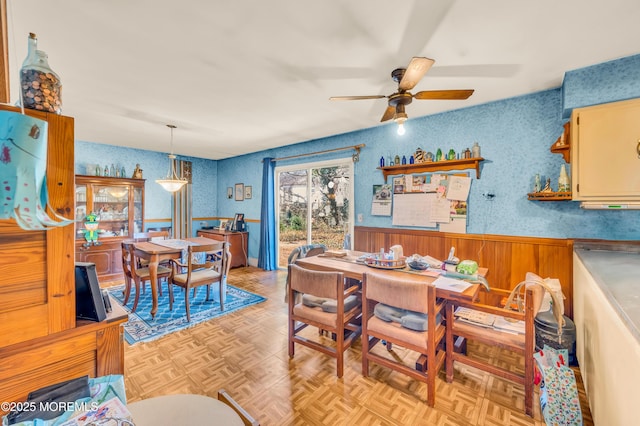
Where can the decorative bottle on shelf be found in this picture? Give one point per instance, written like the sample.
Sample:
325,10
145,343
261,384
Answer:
537,185
411,160
404,159
396,160
382,161
106,171
40,86
564,185
438,154
475,150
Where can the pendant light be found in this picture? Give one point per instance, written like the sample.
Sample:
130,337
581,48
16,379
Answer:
172,182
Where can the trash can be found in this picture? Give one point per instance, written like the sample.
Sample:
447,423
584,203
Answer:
547,334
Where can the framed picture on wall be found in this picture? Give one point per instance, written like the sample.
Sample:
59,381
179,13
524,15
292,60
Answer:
247,192
239,191
229,192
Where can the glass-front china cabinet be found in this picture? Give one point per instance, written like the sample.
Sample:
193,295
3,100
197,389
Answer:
108,210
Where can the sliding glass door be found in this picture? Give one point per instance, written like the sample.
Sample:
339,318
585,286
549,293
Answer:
314,205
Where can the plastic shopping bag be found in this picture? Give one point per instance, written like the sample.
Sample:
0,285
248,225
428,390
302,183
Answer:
559,401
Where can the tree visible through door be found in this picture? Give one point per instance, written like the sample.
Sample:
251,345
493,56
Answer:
314,206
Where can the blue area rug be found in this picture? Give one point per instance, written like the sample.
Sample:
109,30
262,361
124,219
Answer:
141,328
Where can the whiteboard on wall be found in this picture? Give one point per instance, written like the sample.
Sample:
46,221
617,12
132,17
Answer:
413,209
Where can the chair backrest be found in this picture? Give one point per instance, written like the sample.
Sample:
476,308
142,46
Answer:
213,256
151,235
318,283
401,291
306,251
128,265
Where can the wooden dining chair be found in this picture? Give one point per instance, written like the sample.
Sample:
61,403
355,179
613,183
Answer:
522,344
413,307
137,274
205,265
325,304
306,250
247,418
152,236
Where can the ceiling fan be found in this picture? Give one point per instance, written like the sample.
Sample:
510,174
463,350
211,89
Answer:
407,78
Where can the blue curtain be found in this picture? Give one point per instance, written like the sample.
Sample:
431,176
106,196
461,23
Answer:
267,256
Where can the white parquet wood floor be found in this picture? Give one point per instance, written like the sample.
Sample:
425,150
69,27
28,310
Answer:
246,353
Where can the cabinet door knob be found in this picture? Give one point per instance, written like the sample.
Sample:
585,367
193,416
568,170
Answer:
638,148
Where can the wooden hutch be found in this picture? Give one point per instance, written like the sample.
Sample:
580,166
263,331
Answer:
119,204
42,342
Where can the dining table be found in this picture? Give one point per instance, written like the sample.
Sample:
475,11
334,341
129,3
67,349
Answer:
158,251
352,266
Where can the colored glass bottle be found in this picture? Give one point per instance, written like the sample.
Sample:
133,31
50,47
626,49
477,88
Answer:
404,160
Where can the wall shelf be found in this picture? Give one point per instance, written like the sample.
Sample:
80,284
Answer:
563,144
433,166
549,196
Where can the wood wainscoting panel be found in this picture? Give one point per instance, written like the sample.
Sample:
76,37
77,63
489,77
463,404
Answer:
508,258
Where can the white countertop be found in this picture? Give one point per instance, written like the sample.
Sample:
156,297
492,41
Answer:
617,273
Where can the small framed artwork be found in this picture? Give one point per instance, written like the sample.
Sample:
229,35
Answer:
247,192
223,224
229,192
239,191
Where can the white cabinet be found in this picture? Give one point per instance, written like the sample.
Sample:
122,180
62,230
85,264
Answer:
605,152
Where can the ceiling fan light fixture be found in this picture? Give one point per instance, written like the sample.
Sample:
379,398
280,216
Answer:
400,118
172,182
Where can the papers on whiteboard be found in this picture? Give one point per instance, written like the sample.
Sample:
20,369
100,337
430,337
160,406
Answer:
451,284
413,209
458,188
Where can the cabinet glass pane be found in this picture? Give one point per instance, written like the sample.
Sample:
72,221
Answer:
81,209
111,204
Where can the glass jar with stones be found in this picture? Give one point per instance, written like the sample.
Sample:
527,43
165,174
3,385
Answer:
40,85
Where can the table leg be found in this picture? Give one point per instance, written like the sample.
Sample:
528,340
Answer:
153,278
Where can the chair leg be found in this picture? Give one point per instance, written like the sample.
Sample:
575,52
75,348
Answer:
292,326
449,343
340,352
221,296
127,290
170,296
186,302
135,301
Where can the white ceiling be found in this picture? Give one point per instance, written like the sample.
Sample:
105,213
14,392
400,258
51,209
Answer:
242,76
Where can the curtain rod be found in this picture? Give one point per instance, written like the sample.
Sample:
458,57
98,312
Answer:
356,156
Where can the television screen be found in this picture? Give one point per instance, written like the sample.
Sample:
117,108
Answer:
89,301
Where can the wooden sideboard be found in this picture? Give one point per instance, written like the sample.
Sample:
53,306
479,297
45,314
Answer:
41,342
238,242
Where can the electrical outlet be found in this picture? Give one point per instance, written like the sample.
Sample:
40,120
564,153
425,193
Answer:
360,218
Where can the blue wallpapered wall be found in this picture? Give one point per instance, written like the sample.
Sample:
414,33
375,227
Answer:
514,134
607,82
154,165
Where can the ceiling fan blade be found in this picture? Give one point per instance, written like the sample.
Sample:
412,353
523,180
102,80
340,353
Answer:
355,98
388,114
443,94
416,69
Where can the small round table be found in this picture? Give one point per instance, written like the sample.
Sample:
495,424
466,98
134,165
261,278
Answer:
183,409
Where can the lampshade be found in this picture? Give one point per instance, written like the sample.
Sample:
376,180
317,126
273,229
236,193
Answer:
172,182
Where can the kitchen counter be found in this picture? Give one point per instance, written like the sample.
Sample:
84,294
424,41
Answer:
606,296
616,273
